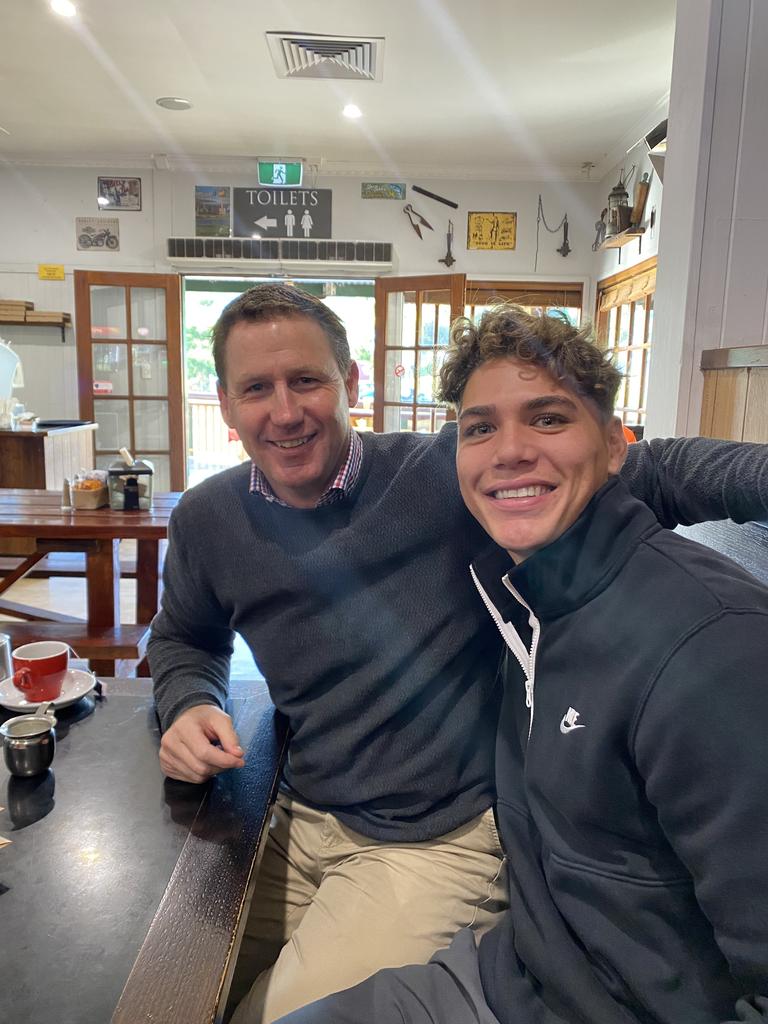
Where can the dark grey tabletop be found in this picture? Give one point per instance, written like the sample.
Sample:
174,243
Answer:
103,848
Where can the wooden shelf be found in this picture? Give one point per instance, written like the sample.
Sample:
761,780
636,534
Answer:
62,321
623,238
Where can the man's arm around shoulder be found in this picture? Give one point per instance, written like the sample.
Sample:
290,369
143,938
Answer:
688,480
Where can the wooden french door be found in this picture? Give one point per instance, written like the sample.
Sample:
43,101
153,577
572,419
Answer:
129,368
413,318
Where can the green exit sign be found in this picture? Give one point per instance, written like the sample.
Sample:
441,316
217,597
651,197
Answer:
276,173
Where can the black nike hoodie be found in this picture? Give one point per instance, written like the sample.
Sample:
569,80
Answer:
632,778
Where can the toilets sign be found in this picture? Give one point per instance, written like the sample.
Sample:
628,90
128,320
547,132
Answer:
281,212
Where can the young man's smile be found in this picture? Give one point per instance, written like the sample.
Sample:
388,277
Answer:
531,453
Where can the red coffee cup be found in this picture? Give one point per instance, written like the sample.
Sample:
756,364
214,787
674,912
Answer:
39,669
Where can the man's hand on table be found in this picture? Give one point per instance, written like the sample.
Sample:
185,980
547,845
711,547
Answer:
187,750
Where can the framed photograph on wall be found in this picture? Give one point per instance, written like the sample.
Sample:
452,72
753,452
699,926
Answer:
119,193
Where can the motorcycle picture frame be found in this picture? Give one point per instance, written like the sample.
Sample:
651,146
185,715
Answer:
97,234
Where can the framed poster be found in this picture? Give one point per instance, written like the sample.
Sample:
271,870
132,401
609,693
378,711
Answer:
487,230
119,193
212,211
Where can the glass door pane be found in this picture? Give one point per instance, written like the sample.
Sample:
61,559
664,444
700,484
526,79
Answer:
410,344
110,369
129,365
108,312
150,370
150,425
148,314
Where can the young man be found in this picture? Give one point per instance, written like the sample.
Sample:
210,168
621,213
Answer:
630,755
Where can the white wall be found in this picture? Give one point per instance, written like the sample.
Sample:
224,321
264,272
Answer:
40,205
713,261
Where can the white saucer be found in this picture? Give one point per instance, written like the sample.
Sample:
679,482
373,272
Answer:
77,684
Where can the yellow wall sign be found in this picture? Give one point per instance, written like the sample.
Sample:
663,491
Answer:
50,271
491,230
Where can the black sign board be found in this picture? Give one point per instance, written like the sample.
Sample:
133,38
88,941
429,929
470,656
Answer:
281,212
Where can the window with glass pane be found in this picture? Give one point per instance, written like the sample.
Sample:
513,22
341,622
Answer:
418,328
625,328
401,319
114,419
110,366
397,418
150,369
108,313
148,314
150,424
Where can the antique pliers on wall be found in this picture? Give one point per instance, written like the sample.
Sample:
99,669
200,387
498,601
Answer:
416,219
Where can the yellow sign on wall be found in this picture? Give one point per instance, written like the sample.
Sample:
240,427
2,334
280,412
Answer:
50,271
491,230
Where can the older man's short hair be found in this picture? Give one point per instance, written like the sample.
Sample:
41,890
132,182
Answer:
267,302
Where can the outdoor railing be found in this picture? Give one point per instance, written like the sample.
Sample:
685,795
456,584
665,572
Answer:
210,445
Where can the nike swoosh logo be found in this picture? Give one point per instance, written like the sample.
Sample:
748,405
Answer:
568,726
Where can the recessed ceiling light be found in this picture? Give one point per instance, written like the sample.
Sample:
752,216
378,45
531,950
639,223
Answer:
173,103
352,112
65,8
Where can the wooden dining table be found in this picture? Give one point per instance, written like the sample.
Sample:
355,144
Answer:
124,895
38,517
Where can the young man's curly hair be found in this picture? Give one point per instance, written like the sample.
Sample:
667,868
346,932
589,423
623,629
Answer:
549,341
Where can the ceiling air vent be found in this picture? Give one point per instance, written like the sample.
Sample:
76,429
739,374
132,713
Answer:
305,55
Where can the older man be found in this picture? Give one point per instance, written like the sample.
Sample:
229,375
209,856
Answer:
630,756
341,559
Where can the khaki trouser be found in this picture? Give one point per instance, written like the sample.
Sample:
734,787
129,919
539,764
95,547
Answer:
331,906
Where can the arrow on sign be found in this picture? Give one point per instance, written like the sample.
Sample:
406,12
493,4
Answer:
266,222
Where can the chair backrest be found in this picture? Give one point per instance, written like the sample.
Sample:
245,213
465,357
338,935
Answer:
745,543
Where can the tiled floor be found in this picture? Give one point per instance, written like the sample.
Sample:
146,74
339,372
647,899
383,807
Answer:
67,594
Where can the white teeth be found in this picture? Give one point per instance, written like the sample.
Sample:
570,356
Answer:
522,492
291,444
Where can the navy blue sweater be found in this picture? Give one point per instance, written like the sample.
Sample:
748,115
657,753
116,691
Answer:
632,788
366,625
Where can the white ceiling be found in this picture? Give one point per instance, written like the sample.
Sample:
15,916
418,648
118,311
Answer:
492,89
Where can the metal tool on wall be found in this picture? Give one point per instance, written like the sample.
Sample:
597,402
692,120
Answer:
565,248
600,227
416,220
434,195
448,259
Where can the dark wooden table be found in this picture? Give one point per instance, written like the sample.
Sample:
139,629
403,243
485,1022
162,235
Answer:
122,894
38,516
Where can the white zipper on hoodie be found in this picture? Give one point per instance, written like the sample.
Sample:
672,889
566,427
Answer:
525,658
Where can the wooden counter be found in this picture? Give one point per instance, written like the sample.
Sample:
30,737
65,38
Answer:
735,400
42,458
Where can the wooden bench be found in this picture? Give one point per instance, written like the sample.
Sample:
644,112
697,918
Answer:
61,563
99,645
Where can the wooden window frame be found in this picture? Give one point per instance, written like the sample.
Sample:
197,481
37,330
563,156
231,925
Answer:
626,289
